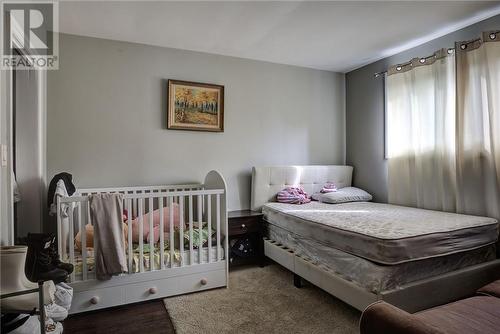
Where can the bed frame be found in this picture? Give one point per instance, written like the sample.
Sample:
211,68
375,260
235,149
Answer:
199,268
412,297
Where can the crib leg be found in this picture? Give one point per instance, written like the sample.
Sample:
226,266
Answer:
297,281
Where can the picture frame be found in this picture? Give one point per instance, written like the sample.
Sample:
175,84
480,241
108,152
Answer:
195,106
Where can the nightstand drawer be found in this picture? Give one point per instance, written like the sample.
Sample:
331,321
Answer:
244,225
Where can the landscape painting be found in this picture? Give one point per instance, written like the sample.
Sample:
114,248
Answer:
195,106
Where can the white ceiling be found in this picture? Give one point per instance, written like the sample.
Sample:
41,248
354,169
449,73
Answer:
337,36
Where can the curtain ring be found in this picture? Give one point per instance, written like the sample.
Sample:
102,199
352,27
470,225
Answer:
450,51
493,35
463,46
399,68
422,60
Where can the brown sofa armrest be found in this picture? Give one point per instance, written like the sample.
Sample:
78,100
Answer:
383,318
492,289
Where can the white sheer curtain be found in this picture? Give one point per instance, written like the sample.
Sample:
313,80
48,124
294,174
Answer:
478,126
421,136
443,131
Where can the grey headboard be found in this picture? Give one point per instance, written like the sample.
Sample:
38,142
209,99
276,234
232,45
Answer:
268,181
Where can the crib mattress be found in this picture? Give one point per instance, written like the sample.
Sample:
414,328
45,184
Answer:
370,275
384,233
186,257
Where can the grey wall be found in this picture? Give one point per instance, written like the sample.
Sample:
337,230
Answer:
106,116
365,109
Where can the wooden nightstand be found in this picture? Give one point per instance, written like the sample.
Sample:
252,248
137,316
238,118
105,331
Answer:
245,226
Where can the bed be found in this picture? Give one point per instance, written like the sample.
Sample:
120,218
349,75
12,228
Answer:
362,252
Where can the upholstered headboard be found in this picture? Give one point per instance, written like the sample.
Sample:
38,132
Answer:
268,181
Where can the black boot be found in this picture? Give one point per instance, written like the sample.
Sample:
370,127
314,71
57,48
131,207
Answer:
38,266
68,267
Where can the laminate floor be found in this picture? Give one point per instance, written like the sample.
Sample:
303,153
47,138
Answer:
148,317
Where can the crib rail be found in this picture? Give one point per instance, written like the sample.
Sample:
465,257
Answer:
167,227
139,189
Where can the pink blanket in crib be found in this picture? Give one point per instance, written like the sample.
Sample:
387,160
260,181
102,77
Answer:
156,223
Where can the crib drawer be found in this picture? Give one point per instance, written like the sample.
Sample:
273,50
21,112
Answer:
175,286
96,299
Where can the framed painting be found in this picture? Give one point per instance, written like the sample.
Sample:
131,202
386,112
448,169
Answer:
195,106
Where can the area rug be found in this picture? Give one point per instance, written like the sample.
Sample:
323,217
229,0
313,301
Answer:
261,300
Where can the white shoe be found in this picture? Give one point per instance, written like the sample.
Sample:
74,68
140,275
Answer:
56,312
63,295
32,325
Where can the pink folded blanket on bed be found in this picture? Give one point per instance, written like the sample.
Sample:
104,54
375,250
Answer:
293,195
156,223
328,188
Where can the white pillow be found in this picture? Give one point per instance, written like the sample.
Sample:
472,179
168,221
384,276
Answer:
343,195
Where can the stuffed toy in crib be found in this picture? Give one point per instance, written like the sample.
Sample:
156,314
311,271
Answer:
89,235
89,229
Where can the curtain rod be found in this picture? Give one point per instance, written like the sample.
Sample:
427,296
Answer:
399,66
463,45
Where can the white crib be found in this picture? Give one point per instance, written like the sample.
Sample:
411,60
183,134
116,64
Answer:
169,267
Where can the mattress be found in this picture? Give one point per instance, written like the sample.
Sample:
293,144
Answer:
185,256
384,233
370,275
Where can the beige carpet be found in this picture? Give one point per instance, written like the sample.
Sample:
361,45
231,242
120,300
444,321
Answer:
261,300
